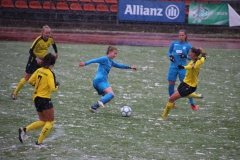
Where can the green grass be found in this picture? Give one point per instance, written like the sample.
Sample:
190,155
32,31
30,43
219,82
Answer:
209,133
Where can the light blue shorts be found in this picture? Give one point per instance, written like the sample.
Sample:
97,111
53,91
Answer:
174,72
100,85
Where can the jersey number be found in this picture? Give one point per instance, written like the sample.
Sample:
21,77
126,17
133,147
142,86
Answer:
38,81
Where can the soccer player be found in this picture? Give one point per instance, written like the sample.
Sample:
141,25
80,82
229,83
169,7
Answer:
37,52
100,81
178,53
44,82
187,88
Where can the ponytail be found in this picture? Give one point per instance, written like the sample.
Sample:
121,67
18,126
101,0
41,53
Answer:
199,51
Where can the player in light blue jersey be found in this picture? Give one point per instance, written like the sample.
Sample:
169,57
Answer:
178,53
100,81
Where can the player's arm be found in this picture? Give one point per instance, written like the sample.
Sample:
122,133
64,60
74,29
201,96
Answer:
55,48
120,65
52,83
170,50
95,60
188,51
31,51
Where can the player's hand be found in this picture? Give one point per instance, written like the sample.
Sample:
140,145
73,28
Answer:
56,56
133,67
183,55
172,58
81,64
39,61
180,66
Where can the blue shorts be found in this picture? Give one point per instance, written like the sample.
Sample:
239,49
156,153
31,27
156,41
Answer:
174,72
100,85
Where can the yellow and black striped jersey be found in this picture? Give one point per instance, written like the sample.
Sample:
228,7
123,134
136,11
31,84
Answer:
40,46
44,83
193,69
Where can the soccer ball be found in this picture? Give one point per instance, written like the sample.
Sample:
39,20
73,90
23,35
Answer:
126,111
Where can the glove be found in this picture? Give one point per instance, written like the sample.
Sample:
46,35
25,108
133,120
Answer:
183,55
180,66
57,84
172,58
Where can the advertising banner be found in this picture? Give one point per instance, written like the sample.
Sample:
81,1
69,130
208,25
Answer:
208,14
149,11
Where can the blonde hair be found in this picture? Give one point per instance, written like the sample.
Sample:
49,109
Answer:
44,27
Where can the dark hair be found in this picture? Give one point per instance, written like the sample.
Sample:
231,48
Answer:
110,48
48,60
198,51
185,32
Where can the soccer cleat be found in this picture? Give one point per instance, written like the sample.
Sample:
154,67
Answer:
194,107
39,145
13,96
160,118
93,110
21,134
100,104
201,96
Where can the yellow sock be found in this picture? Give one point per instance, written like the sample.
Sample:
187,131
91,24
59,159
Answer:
45,131
194,95
35,125
167,110
19,86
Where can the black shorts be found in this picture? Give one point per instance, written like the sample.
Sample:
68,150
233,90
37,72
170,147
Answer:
184,89
32,65
42,104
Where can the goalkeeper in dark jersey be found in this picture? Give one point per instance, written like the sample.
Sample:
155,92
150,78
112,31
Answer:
44,82
37,52
187,88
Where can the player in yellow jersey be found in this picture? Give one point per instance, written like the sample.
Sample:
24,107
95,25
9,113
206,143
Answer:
44,82
187,88
37,52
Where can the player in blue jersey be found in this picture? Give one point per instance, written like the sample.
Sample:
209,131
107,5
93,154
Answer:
100,81
178,53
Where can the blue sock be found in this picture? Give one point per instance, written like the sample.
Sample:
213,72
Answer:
95,106
170,89
191,101
107,97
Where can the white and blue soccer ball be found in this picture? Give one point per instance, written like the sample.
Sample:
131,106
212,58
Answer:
126,111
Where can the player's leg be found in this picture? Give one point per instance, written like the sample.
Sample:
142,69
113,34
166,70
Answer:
109,94
35,125
31,67
170,104
182,73
103,88
48,117
172,77
21,83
